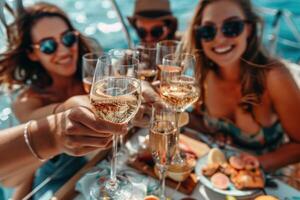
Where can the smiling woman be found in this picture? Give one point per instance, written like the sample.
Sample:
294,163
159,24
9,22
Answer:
246,93
45,55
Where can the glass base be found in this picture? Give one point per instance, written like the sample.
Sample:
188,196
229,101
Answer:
102,189
179,158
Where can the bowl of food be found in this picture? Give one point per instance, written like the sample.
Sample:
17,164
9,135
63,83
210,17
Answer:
229,172
179,172
176,172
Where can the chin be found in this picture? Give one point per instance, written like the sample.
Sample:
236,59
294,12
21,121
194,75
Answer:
68,71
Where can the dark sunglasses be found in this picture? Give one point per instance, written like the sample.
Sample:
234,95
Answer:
49,45
230,29
156,32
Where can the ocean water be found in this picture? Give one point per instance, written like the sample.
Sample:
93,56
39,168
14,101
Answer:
288,34
97,19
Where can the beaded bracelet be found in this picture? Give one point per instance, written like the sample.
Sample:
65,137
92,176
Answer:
28,143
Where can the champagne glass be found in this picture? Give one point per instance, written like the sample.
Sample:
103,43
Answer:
164,48
162,140
89,62
179,88
147,68
115,99
124,64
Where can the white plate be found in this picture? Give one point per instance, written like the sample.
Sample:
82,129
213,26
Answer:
231,191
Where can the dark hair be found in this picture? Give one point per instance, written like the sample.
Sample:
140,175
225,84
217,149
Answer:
171,22
16,67
254,62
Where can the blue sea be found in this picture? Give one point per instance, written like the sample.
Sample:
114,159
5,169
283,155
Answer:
97,19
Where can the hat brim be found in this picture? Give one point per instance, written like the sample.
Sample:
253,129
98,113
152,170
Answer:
132,19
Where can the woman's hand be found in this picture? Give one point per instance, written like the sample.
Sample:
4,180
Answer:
74,101
78,131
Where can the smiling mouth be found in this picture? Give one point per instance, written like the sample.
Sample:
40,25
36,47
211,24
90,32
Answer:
65,60
223,50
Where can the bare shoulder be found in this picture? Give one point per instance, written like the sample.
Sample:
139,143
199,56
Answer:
279,78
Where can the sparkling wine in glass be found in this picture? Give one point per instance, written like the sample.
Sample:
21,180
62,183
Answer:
147,68
164,48
162,141
89,62
115,99
179,88
124,64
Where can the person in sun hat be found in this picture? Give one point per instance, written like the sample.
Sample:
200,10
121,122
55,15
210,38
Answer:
153,20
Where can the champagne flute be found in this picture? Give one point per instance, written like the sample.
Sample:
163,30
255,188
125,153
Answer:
164,48
89,62
124,64
115,99
162,140
147,68
179,88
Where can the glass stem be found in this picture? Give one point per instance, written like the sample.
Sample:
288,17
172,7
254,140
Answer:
121,141
177,158
162,171
113,172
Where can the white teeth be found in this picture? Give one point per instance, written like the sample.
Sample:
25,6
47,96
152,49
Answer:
65,60
223,49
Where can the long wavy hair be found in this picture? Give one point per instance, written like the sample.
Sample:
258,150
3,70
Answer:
254,61
15,65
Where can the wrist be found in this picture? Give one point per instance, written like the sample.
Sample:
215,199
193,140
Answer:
43,138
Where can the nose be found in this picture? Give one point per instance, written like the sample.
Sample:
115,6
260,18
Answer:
62,49
149,38
219,36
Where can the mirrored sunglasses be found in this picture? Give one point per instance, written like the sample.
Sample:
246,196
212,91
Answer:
49,45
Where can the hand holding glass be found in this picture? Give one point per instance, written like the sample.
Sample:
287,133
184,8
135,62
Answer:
115,99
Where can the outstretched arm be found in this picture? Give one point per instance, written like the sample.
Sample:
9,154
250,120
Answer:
75,132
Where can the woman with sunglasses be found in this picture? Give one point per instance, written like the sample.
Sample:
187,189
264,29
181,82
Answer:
153,21
246,94
45,54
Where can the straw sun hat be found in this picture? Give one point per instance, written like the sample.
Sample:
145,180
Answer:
151,9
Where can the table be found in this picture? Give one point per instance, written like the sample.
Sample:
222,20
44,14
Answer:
284,191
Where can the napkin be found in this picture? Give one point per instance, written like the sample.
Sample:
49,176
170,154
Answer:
142,184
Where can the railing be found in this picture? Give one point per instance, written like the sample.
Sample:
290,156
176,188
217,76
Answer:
274,38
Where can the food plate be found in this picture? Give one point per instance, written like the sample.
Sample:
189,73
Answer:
231,191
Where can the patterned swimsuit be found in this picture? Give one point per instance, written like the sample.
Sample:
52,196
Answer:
265,140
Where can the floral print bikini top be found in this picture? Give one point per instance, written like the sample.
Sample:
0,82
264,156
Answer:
265,140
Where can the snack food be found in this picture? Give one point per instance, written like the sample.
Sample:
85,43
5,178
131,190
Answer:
242,170
151,197
215,155
220,181
266,197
